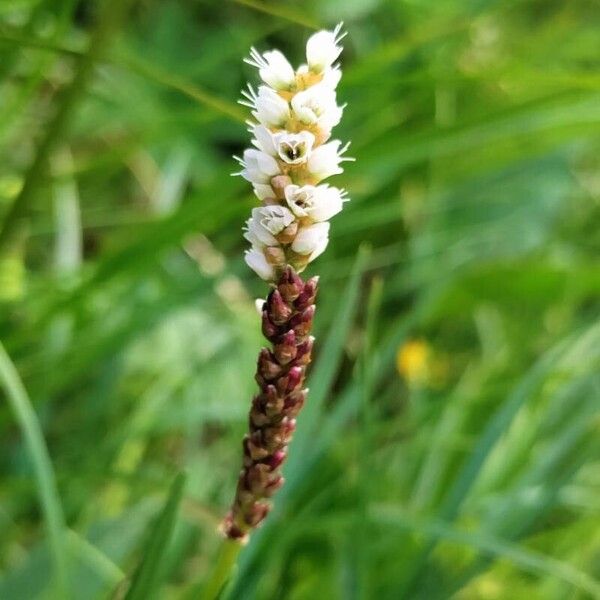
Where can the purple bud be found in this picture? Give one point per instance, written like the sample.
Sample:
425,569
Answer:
273,484
267,365
302,322
294,402
269,329
279,312
295,376
291,381
290,285
308,294
253,447
276,459
258,418
285,350
288,426
257,513
304,351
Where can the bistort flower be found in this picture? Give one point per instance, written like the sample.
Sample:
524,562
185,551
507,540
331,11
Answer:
294,112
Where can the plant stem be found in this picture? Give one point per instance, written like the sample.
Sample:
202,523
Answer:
223,570
30,427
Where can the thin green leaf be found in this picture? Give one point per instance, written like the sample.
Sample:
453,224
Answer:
146,581
31,429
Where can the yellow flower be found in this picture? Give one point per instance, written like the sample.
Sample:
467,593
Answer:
413,360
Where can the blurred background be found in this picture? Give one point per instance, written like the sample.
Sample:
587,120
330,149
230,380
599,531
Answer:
450,447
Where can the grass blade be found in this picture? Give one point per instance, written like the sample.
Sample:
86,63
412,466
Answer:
147,578
491,546
28,422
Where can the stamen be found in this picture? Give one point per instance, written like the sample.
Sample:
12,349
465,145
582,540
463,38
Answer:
256,59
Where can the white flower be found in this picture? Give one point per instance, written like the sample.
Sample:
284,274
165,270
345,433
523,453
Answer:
266,222
317,105
273,68
270,108
263,139
325,160
318,203
258,167
322,49
256,260
294,148
311,240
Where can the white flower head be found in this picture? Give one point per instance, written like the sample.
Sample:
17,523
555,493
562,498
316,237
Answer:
325,160
270,108
322,49
318,203
317,105
293,148
266,222
273,68
256,260
311,240
257,167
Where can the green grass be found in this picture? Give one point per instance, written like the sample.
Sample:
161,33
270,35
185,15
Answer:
450,444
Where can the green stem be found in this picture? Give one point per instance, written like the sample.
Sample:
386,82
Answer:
28,422
111,14
223,570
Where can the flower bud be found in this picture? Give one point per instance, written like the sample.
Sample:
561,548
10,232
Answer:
257,513
304,351
302,322
275,255
288,234
276,459
288,383
290,285
279,184
267,366
308,294
285,350
279,311
269,329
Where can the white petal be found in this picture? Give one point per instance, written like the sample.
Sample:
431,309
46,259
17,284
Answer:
308,239
324,161
263,140
319,249
279,74
259,304
256,260
263,191
327,202
322,50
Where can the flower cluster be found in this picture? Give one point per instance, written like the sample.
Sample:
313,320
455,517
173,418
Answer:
295,113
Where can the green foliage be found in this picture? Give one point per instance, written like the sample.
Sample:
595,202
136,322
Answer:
450,447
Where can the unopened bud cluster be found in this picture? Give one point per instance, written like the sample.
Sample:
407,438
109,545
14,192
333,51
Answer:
295,112
287,317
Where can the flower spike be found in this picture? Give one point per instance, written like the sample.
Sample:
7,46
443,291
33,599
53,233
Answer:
294,113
